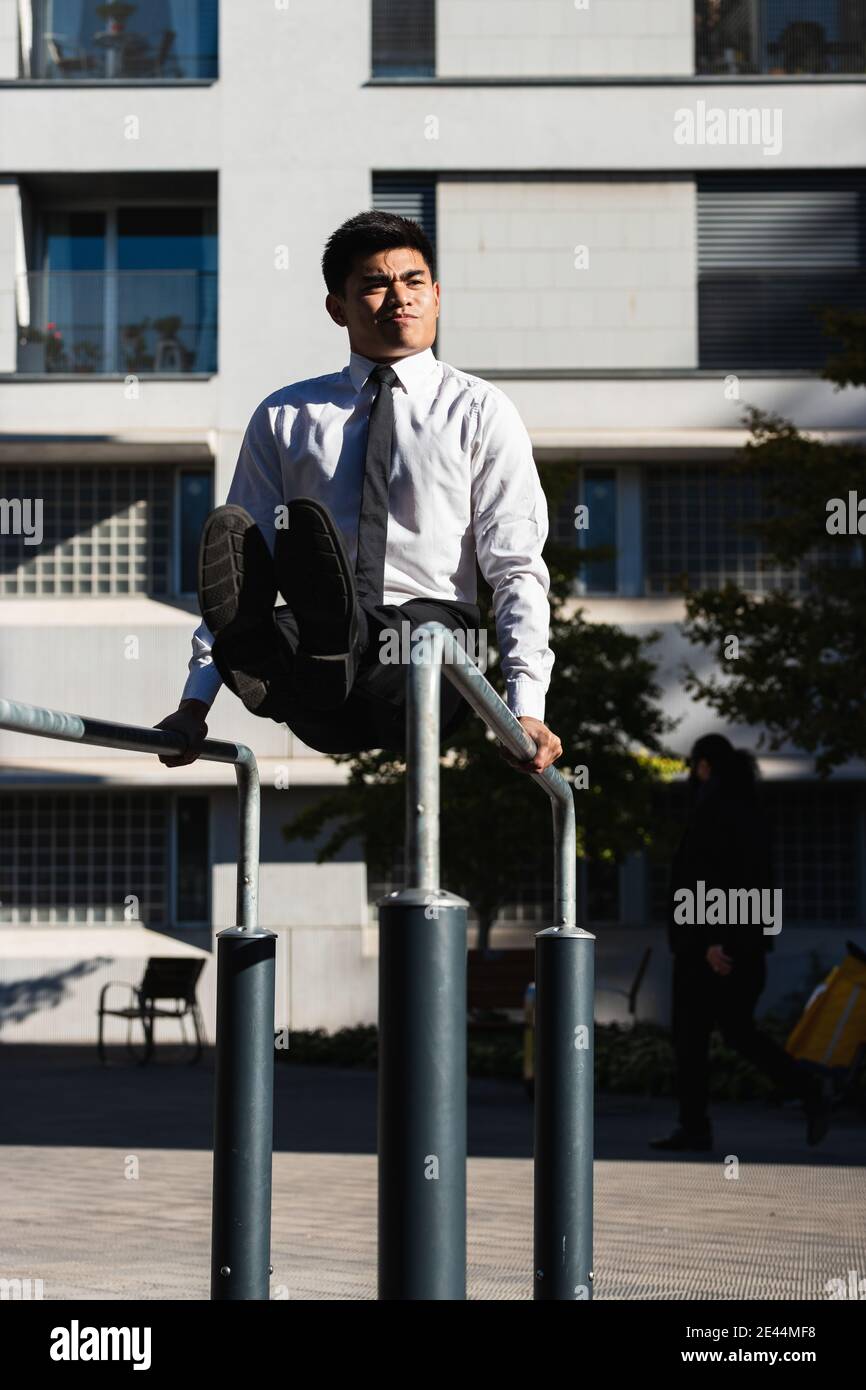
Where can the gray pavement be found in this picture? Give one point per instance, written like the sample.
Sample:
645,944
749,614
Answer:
105,1177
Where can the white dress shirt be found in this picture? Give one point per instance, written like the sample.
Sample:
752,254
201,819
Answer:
463,485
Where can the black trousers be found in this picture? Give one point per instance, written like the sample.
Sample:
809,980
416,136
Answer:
374,715
702,998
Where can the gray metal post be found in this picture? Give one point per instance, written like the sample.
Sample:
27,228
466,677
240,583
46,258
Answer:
243,1114
422,1039
564,979
564,1052
422,1096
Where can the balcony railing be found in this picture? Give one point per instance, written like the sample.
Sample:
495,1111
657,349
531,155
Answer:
795,37
127,321
69,40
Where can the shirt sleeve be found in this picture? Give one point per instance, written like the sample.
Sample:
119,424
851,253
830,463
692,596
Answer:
510,525
257,486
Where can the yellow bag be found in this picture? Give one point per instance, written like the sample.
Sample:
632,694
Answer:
832,1029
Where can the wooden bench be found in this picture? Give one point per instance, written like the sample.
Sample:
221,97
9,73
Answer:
165,978
496,986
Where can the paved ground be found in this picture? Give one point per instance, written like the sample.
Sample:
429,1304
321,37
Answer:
792,1220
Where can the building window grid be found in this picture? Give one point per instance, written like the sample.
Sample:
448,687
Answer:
75,857
694,519
106,531
815,861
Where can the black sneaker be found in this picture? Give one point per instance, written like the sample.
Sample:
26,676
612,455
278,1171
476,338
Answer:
317,582
237,589
682,1140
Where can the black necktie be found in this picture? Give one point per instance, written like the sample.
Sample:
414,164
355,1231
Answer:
373,521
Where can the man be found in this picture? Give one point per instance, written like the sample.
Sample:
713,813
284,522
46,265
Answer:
364,498
720,970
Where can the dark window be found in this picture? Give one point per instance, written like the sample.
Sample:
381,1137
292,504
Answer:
815,833
195,501
772,254
780,36
404,38
408,195
131,290
74,40
694,529
599,496
193,865
76,530
84,857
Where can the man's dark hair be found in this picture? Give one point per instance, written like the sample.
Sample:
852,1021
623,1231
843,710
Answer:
366,233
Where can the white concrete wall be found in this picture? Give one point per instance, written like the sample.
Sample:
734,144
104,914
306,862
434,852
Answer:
564,38
521,290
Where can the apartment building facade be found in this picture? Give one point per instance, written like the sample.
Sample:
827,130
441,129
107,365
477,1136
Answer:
633,206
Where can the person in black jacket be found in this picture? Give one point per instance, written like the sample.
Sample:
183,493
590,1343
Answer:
719,971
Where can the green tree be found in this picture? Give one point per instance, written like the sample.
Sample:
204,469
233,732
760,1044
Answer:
800,668
603,704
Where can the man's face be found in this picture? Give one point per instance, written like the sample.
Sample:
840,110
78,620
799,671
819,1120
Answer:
390,305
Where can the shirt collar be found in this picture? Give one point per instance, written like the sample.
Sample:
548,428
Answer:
411,370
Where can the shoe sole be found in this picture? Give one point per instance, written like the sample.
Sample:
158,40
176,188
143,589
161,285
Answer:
316,580
237,590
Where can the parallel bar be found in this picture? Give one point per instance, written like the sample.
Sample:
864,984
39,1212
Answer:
564,1008
243,1115
422,767
244,1064
422,1038
76,728
479,693
564,1049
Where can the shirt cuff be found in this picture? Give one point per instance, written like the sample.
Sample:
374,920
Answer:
202,683
525,696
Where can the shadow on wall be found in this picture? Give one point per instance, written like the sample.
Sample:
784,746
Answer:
21,998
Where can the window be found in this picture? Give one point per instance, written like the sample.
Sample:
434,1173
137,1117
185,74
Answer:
121,290
75,530
408,195
772,253
69,857
193,864
162,40
693,529
780,36
404,38
598,576
815,833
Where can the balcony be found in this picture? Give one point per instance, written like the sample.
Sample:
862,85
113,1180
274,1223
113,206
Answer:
117,322
154,40
780,38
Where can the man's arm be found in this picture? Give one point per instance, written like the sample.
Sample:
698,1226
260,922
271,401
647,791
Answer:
257,486
510,525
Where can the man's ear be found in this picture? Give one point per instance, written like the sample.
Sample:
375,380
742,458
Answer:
334,306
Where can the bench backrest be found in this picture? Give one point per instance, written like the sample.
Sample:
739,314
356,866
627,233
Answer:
171,977
498,979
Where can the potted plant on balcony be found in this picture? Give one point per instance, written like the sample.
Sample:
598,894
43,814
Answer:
87,356
133,340
170,354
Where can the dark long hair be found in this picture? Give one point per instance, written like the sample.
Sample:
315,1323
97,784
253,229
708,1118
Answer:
732,770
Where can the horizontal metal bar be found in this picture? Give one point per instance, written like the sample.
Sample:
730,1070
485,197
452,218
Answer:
76,728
